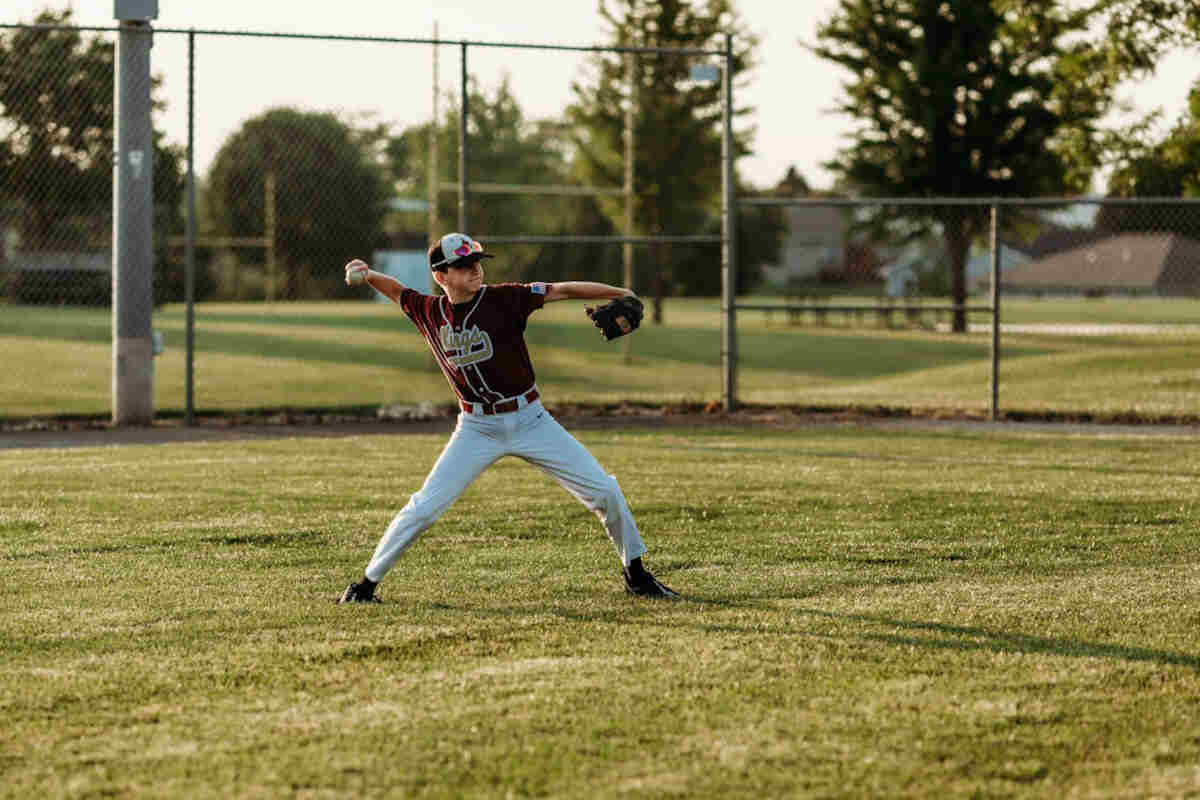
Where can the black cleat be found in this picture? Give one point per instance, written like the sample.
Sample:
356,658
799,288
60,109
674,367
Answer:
363,592
639,581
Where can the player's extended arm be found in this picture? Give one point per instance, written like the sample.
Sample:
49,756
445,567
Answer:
584,290
358,273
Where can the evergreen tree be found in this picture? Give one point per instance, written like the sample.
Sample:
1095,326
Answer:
677,130
504,147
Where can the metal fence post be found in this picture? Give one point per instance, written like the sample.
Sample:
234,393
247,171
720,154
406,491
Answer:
728,240
462,148
133,226
189,280
269,236
627,247
995,311
432,174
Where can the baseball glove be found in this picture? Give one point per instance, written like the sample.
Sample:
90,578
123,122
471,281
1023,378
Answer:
617,317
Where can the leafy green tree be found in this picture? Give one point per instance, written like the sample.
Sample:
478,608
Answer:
677,129
56,112
1169,167
504,148
330,195
968,98
1136,33
56,92
56,115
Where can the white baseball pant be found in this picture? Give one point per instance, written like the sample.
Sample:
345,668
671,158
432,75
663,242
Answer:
479,441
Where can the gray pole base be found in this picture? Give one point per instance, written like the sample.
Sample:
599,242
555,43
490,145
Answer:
133,371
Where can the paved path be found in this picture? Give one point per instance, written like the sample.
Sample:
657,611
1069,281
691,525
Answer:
1084,328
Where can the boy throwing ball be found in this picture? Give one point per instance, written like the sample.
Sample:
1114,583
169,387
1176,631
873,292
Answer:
476,333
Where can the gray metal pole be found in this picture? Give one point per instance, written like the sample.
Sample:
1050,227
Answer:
728,240
433,173
269,235
133,229
627,247
462,148
189,289
995,312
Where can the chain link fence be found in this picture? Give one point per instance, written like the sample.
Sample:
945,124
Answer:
56,200
860,295
899,297
287,188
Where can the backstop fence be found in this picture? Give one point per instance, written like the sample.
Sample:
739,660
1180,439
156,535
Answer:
277,157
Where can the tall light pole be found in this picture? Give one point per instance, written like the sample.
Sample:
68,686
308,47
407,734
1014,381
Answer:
133,227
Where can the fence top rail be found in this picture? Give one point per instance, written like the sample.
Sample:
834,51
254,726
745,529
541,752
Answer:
581,239
596,48
894,308
964,201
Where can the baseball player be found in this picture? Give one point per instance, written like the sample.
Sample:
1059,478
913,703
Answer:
476,333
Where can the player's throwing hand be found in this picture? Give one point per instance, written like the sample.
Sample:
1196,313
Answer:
356,272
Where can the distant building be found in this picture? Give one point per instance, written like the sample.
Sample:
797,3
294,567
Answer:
979,264
903,273
1058,240
815,241
1128,263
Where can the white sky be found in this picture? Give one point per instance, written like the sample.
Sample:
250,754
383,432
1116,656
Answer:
237,78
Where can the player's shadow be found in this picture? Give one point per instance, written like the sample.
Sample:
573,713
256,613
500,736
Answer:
944,636
899,632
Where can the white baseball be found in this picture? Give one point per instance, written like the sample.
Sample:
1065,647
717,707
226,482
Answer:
356,273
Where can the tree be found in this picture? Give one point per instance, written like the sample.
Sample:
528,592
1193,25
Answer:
504,148
56,91
677,132
971,98
793,184
56,152
1169,167
1138,32
330,194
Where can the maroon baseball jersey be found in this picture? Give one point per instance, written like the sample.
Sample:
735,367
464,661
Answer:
480,344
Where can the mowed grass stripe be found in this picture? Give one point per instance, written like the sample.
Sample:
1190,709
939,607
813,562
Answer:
338,338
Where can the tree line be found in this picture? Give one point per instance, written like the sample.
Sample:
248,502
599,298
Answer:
951,98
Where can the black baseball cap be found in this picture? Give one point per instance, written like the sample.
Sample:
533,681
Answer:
455,250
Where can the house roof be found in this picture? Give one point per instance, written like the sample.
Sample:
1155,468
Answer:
1057,240
1161,261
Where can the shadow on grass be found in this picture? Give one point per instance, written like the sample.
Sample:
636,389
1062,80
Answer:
938,635
969,637
151,544
288,539
848,355
834,355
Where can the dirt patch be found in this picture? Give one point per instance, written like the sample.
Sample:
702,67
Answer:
284,423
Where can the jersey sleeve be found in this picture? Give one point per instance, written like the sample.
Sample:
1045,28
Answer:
524,298
412,302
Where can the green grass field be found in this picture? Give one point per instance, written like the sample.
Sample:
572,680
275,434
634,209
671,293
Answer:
323,355
869,612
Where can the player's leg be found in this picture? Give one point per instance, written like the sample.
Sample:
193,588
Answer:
468,453
542,441
546,444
